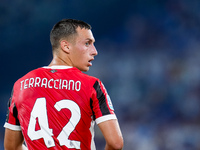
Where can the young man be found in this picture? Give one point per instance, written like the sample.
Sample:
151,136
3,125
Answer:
54,107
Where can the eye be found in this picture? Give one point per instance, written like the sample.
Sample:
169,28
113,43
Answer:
87,43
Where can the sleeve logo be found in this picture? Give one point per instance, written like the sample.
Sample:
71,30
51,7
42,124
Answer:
110,102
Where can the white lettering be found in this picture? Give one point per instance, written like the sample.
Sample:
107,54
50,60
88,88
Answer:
55,84
31,81
25,84
64,84
21,83
60,83
45,83
78,85
49,84
71,81
37,83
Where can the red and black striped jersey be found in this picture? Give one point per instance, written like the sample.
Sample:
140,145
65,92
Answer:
55,107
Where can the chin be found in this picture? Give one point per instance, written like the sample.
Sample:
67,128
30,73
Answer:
84,69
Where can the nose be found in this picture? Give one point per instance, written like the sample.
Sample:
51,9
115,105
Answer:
94,51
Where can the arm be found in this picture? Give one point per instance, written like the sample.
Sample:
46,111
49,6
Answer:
13,140
112,134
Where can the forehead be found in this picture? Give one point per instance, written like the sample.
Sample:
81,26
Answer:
84,34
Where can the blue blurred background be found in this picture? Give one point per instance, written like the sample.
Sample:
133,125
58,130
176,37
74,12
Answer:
149,58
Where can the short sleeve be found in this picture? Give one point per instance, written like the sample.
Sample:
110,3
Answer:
102,107
12,121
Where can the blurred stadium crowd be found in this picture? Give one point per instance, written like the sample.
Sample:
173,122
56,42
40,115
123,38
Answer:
149,63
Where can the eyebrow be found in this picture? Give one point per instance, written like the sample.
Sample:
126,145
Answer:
92,40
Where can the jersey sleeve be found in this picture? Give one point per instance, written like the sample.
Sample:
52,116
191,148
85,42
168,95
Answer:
12,121
101,104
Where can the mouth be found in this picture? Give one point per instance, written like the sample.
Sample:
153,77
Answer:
90,62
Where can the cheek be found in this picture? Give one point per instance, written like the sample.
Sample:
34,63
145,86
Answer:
79,59
80,55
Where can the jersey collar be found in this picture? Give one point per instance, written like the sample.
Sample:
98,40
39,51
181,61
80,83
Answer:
57,67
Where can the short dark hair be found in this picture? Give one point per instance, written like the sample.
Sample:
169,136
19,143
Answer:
65,29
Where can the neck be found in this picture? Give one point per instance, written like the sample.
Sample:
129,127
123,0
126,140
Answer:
59,61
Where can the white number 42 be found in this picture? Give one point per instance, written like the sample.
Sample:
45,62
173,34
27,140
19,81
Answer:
39,111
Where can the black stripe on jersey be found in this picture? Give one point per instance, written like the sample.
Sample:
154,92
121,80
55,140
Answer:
15,114
91,106
7,115
102,99
9,103
10,100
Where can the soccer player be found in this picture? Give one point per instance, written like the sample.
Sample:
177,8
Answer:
55,107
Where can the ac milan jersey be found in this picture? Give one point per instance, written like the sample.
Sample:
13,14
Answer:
55,107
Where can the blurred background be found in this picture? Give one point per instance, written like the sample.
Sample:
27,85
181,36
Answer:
149,58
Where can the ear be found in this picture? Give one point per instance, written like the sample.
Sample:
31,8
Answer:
64,46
